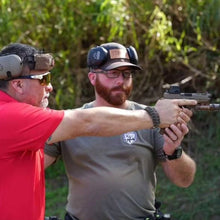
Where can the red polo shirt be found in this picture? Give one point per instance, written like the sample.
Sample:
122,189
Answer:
24,130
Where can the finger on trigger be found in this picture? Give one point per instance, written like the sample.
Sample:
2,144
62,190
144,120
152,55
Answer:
185,102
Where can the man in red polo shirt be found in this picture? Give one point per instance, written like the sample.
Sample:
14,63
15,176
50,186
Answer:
26,124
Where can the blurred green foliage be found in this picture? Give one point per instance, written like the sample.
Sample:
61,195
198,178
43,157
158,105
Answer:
178,43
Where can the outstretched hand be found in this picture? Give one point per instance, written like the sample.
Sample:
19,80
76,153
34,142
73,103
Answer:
172,112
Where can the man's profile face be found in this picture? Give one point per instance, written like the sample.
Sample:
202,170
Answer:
34,93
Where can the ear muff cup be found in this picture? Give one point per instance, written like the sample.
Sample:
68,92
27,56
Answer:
10,66
97,56
132,55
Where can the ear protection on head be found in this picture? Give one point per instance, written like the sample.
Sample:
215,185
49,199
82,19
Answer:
132,55
10,66
99,55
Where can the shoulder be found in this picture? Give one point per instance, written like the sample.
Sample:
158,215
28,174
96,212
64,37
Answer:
135,106
87,105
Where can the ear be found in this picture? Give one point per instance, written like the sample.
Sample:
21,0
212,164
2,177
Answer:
92,78
17,85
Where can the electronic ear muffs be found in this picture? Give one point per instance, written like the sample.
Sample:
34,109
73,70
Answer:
132,55
10,66
99,55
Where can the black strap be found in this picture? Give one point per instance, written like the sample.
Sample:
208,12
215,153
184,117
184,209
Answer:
158,214
52,218
70,217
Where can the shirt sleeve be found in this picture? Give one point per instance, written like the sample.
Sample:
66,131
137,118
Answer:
27,127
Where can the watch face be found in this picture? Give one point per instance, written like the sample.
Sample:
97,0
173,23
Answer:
177,154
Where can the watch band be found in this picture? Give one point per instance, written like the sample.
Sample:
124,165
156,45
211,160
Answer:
154,116
162,156
176,154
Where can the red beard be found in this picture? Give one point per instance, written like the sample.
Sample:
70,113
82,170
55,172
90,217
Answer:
111,97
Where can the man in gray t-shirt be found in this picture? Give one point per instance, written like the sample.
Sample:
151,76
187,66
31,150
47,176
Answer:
113,178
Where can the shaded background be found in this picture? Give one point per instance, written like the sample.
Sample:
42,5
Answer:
177,42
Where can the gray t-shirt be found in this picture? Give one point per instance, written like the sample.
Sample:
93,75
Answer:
111,178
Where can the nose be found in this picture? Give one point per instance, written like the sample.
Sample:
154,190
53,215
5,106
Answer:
49,87
120,79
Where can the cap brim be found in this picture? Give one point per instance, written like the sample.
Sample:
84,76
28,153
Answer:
115,65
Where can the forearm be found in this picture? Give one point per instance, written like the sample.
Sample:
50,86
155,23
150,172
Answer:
104,121
180,171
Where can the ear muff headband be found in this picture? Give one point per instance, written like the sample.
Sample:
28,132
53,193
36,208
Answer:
11,65
99,55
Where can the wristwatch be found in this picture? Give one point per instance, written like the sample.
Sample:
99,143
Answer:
176,154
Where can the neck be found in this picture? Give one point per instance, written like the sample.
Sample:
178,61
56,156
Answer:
98,103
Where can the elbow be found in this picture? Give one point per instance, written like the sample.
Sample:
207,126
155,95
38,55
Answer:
185,183
187,180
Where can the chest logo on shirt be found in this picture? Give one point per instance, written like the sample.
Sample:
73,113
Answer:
130,137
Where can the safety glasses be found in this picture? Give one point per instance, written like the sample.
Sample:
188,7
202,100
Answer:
116,73
45,79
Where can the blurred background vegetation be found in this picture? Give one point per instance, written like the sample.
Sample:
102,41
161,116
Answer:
178,42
